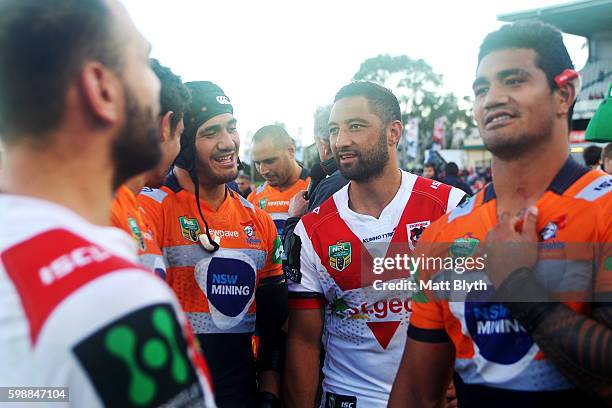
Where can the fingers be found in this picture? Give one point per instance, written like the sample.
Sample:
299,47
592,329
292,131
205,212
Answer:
530,220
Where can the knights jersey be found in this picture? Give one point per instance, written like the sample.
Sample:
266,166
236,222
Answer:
495,356
128,214
78,312
365,327
217,290
276,202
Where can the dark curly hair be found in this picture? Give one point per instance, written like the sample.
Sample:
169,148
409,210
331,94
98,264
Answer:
174,96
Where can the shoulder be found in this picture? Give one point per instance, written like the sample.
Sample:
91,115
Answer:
154,195
594,187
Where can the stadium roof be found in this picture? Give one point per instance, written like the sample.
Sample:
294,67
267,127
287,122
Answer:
582,18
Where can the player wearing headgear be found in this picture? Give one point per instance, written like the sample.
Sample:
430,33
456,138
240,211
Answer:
539,334
223,255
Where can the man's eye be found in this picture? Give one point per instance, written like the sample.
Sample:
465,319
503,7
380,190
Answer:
480,90
514,81
355,126
333,131
232,130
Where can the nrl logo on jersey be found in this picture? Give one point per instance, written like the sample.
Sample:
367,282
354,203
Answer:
136,233
340,255
190,229
263,203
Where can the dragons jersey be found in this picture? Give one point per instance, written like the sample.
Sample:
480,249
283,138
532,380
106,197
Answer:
276,202
365,328
77,312
492,350
128,214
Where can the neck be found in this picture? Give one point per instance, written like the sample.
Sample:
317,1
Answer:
519,183
184,179
214,195
136,183
372,196
63,176
295,175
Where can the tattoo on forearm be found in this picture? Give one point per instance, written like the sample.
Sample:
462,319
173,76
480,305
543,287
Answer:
581,347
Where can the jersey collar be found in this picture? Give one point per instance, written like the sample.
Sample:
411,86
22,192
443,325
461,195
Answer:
569,173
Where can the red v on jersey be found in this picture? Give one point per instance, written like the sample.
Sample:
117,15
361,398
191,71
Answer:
384,331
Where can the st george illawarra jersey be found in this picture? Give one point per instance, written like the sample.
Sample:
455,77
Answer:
76,311
365,327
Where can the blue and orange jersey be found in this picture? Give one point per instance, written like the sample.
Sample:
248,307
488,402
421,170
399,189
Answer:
493,351
276,202
128,215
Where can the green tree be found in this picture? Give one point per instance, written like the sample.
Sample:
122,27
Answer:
419,91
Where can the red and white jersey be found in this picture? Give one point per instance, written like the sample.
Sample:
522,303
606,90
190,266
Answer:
77,311
365,328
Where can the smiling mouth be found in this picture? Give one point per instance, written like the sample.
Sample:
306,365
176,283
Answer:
498,118
225,159
347,156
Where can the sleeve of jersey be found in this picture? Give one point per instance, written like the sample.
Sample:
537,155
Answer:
455,197
305,290
272,271
603,280
153,214
427,319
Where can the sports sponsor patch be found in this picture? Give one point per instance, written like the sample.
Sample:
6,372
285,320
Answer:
340,401
141,360
136,233
464,247
415,230
190,229
277,252
228,280
48,268
263,203
340,255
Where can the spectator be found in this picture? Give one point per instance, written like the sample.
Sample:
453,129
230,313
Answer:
592,156
606,158
244,185
452,178
429,171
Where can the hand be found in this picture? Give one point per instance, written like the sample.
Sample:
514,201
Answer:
511,245
298,204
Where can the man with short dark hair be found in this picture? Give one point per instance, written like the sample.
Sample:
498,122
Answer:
451,178
592,156
606,158
78,117
274,158
537,334
381,211
244,185
136,215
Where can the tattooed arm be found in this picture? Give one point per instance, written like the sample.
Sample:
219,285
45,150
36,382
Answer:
580,346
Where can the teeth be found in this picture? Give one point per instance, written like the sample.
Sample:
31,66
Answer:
498,118
224,158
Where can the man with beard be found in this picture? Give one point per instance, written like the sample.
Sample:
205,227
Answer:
126,212
223,255
78,114
539,334
378,214
274,158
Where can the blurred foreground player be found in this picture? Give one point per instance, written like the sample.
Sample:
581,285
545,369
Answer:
78,117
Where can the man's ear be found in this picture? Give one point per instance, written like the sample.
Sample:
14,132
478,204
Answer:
166,127
566,97
102,93
395,133
291,150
